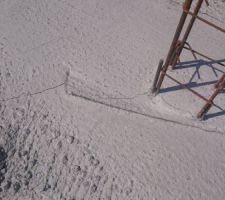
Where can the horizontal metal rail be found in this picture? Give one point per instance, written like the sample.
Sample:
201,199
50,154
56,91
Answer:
205,21
193,91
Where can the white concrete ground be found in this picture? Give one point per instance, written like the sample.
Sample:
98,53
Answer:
77,118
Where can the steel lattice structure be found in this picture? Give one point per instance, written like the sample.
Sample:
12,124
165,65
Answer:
176,48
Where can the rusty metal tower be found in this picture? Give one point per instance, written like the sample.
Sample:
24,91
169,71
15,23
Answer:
176,48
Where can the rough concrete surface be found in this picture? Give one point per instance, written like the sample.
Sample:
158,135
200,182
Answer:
77,120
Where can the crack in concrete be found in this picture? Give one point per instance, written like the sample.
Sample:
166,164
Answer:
113,106
32,94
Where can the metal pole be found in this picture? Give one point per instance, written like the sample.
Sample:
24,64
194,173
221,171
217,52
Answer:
209,104
219,81
187,33
157,76
186,5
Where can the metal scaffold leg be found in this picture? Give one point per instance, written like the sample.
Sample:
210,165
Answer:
154,88
209,104
173,45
